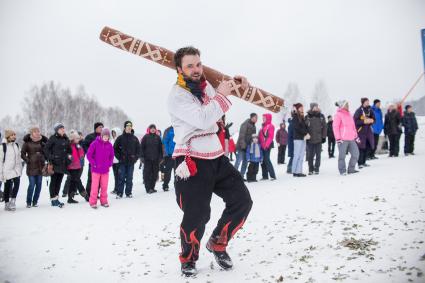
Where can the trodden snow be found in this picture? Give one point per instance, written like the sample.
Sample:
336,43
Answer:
367,227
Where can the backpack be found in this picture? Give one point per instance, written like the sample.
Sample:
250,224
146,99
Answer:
4,151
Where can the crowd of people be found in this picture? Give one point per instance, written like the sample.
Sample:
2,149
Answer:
300,137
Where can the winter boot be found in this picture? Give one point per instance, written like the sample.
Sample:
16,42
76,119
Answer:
85,195
12,204
56,202
7,206
189,269
221,257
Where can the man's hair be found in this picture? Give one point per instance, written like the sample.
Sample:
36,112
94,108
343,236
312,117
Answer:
189,50
252,115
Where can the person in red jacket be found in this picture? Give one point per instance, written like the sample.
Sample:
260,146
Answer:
266,136
75,168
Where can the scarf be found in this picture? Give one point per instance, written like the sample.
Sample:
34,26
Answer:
255,149
196,88
34,139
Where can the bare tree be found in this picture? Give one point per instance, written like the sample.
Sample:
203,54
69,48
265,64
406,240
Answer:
321,96
50,103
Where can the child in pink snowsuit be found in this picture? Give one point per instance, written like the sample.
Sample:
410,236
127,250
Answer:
101,156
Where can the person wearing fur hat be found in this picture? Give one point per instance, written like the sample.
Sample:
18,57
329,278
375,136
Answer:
300,137
151,154
346,138
58,152
364,117
101,157
127,151
254,155
75,168
10,169
317,129
98,126
32,153
410,125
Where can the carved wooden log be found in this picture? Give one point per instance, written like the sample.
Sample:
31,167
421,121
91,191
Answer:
166,57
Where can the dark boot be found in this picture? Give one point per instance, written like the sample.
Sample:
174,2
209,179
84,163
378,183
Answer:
221,257
189,269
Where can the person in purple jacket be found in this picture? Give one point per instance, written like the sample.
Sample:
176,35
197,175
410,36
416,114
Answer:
101,156
364,117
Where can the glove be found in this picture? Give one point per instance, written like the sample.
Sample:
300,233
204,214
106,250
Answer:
358,140
307,137
323,140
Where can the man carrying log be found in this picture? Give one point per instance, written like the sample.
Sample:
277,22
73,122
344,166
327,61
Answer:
202,169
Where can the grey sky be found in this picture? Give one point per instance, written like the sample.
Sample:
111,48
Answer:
359,48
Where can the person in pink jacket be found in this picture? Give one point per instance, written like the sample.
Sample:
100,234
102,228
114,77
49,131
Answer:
266,136
101,156
75,168
346,137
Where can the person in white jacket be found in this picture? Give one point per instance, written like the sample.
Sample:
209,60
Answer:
116,164
202,169
10,169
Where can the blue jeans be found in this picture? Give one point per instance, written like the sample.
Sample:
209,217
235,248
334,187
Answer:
241,157
299,153
125,173
33,195
267,166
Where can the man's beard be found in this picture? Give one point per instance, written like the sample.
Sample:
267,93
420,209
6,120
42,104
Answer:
195,77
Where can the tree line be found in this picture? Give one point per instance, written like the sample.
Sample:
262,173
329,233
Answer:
49,103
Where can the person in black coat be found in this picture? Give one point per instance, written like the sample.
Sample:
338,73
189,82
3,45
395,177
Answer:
58,152
127,151
392,128
98,126
331,137
410,125
300,136
151,155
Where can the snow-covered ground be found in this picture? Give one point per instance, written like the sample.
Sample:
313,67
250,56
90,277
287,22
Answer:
295,232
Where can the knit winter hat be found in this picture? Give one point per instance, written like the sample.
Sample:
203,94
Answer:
298,106
364,99
128,123
97,125
58,126
341,103
73,135
313,104
376,101
105,132
8,133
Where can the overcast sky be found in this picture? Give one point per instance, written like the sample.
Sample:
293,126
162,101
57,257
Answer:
359,48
